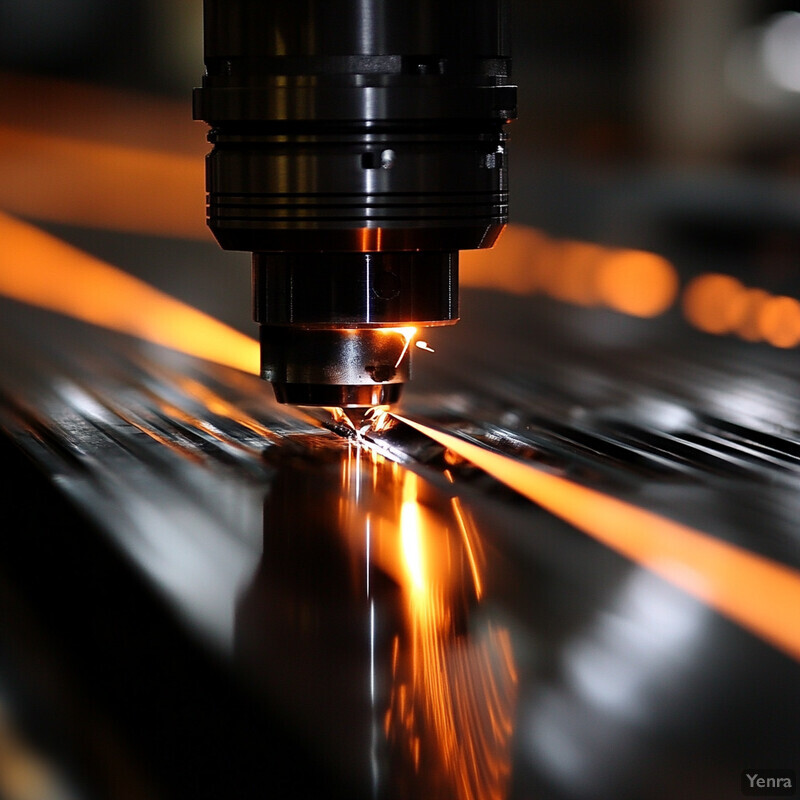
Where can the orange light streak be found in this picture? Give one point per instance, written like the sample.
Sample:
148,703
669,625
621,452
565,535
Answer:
411,535
471,545
408,333
526,261
464,691
82,154
759,594
97,113
95,184
41,270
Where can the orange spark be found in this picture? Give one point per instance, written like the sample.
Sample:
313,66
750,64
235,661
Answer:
41,270
759,594
379,418
408,333
339,416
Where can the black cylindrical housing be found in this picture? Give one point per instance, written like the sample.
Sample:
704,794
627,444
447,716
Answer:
355,289
333,121
372,129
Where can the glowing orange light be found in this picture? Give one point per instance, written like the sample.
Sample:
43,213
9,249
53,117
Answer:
452,694
570,275
89,183
511,265
779,321
411,535
757,593
127,161
720,304
40,270
524,261
379,418
714,303
93,112
462,691
339,416
637,283
750,303
471,545
408,333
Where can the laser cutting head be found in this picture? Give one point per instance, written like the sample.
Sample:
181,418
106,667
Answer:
357,147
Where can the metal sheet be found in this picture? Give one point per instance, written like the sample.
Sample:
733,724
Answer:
423,629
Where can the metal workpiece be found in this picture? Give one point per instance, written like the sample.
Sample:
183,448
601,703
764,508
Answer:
367,570
356,149
314,560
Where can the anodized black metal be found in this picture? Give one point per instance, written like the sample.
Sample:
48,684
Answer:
368,184
355,288
348,115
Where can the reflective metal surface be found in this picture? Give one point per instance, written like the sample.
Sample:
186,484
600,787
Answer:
416,627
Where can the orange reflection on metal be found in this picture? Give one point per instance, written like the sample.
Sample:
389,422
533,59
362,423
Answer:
96,184
464,690
411,534
370,239
379,418
452,693
471,545
218,405
41,270
340,417
759,594
525,261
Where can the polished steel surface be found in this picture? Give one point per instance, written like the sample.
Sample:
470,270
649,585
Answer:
423,629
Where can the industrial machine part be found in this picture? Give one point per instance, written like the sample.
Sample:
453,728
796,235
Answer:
358,145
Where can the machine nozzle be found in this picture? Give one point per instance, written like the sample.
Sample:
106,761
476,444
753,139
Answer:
336,328
344,367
